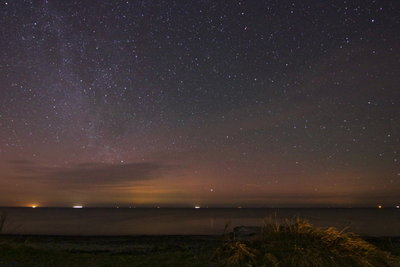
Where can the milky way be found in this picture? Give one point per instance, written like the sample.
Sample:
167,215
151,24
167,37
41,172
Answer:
211,103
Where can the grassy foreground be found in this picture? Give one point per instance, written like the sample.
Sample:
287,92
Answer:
297,243
287,243
106,251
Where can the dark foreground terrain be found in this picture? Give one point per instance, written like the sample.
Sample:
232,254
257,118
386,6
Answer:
107,251
124,251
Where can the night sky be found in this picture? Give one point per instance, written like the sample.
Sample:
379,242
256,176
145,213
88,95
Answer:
210,103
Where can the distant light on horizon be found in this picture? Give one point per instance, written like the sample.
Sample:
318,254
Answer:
397,207
197,207
380,206
77,207
34,206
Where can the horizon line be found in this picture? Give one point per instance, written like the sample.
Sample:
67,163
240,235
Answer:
206,207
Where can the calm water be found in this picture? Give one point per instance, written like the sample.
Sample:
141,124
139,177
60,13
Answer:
99,221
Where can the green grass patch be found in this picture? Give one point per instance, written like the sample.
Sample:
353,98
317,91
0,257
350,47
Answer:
26,256
106,251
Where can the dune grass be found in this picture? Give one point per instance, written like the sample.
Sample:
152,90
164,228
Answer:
298,243
3,218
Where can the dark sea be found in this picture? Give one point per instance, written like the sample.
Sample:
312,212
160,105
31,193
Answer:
204,221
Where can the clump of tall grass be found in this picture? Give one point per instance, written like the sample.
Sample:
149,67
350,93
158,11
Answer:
296,242
3,217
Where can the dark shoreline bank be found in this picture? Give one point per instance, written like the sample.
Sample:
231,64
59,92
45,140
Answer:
136,250
40,250
130,243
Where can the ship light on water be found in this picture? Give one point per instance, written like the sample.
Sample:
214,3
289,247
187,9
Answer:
77,207
197,207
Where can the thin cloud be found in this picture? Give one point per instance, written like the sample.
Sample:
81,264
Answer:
92,173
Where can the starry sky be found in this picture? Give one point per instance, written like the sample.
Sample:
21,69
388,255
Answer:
210,103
